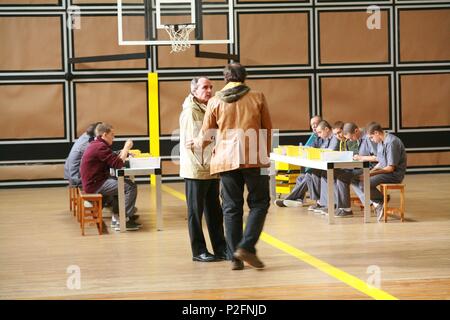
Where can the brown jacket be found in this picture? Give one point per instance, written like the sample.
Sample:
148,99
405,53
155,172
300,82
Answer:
241,129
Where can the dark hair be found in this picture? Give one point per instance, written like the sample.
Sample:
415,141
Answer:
374,126
234,72
349,128
338,125
323,124
91,129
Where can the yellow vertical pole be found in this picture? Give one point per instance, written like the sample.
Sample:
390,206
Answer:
153,117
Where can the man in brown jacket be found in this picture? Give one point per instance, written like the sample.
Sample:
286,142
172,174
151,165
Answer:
238,119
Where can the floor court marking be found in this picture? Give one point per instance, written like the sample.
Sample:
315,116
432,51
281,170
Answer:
327,268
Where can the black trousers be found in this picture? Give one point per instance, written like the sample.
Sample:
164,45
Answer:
258,200
203,197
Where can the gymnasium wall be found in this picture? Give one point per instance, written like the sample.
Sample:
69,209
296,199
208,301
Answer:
308,57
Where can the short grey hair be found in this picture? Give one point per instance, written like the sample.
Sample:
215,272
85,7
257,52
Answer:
194,82
103,128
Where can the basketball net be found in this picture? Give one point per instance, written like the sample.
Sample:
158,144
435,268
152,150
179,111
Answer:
179,36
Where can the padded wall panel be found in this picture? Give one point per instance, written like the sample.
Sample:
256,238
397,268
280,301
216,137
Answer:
32,111
288,100
360,99
31,43
424,35
31,172
345,38
102,30
425,100
107,2
440,158
170,167
274,38
30,2
122,104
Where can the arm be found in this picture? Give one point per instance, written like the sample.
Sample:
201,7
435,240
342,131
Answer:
365,158
375,170
126,148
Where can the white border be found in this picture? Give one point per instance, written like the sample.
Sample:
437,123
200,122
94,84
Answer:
397,42
375,73
355,66
66,111
63,16
398,101
123,42
292,67
25,7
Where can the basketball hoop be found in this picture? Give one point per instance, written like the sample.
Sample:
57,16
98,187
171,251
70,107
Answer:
179,36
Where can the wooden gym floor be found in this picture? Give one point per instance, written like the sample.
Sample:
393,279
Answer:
306,258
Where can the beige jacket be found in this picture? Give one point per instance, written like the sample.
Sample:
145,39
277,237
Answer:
239,124
194,164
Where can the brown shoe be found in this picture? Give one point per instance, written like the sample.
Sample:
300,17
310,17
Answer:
237,265
249,257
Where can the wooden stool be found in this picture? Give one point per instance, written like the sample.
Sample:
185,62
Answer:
90,214
356,201
73,201
385,187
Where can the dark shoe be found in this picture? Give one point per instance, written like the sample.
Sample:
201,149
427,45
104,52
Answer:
134,217
204,257
341,213
279,203
130,226
379,212
249,257
315,207
222,256
237,265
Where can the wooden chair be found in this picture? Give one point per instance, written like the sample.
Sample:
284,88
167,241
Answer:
354,200
73,201
91,213
385,187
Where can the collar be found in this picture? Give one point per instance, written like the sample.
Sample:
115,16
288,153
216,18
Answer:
230,85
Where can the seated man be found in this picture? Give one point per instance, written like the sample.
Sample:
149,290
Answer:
344,143
364,150
311,179
391,167
296,197
72,164
95,168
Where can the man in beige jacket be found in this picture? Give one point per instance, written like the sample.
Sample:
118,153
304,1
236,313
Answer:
202,188
238,119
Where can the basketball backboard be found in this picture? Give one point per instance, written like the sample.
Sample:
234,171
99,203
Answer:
197,14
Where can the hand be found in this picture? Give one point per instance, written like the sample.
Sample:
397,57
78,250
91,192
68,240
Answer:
190,144
357,157
128,144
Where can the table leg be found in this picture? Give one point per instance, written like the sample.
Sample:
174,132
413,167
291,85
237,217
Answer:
159,217
121,194
330,186
273,194
366,176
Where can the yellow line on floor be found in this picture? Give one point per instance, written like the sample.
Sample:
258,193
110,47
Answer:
327,268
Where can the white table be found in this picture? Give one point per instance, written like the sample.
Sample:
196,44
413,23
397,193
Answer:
121,173
329,167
